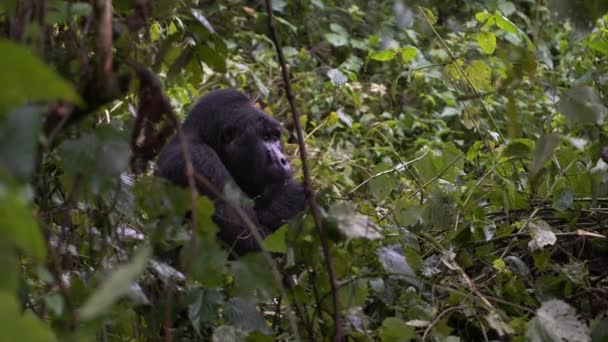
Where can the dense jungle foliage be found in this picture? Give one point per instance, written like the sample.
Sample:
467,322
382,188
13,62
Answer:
457,150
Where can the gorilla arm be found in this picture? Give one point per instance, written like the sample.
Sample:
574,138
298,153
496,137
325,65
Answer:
232,228
279,203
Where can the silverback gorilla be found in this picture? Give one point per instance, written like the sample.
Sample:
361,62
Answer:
233,142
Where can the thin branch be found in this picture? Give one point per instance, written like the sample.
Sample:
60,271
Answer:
398,167
314,209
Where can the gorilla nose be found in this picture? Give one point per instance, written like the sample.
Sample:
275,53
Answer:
283,161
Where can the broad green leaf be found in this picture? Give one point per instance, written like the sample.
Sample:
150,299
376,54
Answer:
382,56
395,330
383,185
598,44
337,77
353,224
395,263
18,227
101,156
275,242
583,105
30,79
18,141
505,24
487,42
353,294
204,307
480,75
115,285
408,53
17,325
336,40
243,314
518,149
545,147
482,16
9,264
453,69
556,321
252,277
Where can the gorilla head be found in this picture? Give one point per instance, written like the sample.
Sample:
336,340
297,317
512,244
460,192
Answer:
246,139
233,141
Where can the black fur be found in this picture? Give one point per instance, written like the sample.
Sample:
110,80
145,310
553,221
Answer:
233,142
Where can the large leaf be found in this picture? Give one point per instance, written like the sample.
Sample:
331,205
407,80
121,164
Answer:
28,79
16,325
353,224
18,226
115,286
556,321
18,139
583,105
394,262
544,150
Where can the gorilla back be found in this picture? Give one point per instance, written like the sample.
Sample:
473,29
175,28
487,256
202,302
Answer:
233,142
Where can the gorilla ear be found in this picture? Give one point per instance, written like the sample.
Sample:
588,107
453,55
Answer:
228,134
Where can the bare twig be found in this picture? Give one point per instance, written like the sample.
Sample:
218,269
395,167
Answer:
314,209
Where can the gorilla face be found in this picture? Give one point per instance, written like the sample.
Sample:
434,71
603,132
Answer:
254,153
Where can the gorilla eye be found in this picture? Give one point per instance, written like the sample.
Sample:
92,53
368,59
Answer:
272,135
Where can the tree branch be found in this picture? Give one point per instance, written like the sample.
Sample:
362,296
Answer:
314,208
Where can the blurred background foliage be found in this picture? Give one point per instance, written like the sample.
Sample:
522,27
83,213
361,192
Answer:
457,148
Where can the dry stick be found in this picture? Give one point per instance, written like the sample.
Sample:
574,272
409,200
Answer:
314,209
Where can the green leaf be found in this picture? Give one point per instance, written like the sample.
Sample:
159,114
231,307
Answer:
382,56
432,18
336,40
208,263
243,314
583,105
30,79
482,16
487,42
337,77
395,330
556,321
252,277
505,24
18,141
382,186
544,150
353,224
598,44
9,264
394,262
115,286
480,75
408,53
18,226
17,325
275,242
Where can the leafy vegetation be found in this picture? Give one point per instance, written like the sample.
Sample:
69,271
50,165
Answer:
457,150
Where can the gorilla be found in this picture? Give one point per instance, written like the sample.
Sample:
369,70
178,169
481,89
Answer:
232,142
